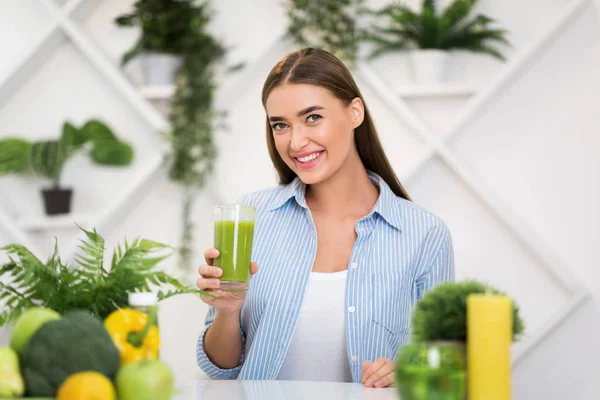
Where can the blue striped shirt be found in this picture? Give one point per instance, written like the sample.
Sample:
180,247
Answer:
401,251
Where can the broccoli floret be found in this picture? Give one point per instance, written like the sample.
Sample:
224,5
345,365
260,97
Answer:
76,342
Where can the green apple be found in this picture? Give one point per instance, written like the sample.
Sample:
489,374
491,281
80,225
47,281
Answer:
11,382
145,380
28,323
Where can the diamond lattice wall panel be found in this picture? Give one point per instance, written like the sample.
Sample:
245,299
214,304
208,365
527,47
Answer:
437,112
263,26
403,146
69,86
484,248
542,163
23,26
97,20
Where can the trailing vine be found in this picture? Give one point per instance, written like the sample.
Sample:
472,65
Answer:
180,27
327,24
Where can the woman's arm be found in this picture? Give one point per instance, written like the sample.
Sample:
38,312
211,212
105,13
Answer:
216,370
223,340
439,265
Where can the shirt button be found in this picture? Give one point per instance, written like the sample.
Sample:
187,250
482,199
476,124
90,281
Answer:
353,265
354,359
351,309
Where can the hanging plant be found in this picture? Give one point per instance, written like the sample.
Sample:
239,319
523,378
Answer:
327,24
180,27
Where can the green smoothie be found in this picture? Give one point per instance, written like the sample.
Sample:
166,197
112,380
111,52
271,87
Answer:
234,242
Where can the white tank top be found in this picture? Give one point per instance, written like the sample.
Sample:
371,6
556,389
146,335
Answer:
317,351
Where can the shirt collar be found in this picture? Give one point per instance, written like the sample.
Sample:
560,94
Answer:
386,205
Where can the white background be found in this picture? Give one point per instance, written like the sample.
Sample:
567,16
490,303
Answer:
506,159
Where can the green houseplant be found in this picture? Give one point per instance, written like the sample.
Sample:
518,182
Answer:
47,158
430,34
28,282
328,24
167,28
181,27
441,315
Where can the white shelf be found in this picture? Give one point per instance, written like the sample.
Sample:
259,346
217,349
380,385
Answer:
158,92
449,89
48,222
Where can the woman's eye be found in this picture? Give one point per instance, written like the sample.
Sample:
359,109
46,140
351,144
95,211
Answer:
278,126
314,117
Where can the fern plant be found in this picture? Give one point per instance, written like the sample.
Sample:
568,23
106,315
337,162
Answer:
26,281
436,29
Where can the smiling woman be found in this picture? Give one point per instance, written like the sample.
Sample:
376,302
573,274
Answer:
341,253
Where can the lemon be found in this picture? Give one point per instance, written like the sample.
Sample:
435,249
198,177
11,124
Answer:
87,385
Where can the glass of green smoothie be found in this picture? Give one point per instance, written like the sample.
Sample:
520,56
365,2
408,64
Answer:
234,232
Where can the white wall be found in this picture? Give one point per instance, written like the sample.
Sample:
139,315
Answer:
509,167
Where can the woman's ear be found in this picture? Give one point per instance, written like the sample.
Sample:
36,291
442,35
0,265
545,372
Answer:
357,112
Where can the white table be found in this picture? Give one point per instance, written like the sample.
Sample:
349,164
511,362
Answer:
282,390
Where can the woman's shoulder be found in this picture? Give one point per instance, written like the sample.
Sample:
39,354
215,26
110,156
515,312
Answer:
413,214
262,198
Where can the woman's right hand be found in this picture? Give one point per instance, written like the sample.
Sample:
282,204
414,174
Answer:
227,302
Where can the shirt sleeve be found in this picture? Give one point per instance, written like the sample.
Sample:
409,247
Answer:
438,265
204,362
213,371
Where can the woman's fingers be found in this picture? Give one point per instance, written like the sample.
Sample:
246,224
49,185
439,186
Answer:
207,271
365,367
210,255
381,374
253,268
374,372
207,284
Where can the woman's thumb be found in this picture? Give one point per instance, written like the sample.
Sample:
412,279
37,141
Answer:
253,268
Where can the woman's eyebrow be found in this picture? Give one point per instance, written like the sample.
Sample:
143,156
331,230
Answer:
299,114
309,109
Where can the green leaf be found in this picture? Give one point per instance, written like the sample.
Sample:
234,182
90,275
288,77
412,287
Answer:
96,130
48,158
72,137
126,20
458,10
150,245
14,155
112,153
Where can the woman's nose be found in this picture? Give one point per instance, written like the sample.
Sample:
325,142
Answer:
299,138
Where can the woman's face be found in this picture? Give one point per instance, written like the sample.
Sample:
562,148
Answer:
313,130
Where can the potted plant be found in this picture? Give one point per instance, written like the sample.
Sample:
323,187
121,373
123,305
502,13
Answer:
435,363
89,284
47,158
429,35
167,29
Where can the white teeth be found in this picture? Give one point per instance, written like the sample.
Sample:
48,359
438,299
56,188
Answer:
309,158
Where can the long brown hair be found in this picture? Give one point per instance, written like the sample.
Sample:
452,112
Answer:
321,68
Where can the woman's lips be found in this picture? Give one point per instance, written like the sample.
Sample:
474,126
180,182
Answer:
308,160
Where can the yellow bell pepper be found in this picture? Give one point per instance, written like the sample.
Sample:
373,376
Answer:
134,334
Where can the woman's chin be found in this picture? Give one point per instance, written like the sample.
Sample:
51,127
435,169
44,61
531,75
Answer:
312,177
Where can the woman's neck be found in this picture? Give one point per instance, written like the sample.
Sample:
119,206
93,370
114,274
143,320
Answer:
348,192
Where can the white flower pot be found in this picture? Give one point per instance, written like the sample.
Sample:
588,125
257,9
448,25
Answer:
159,68
428,65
